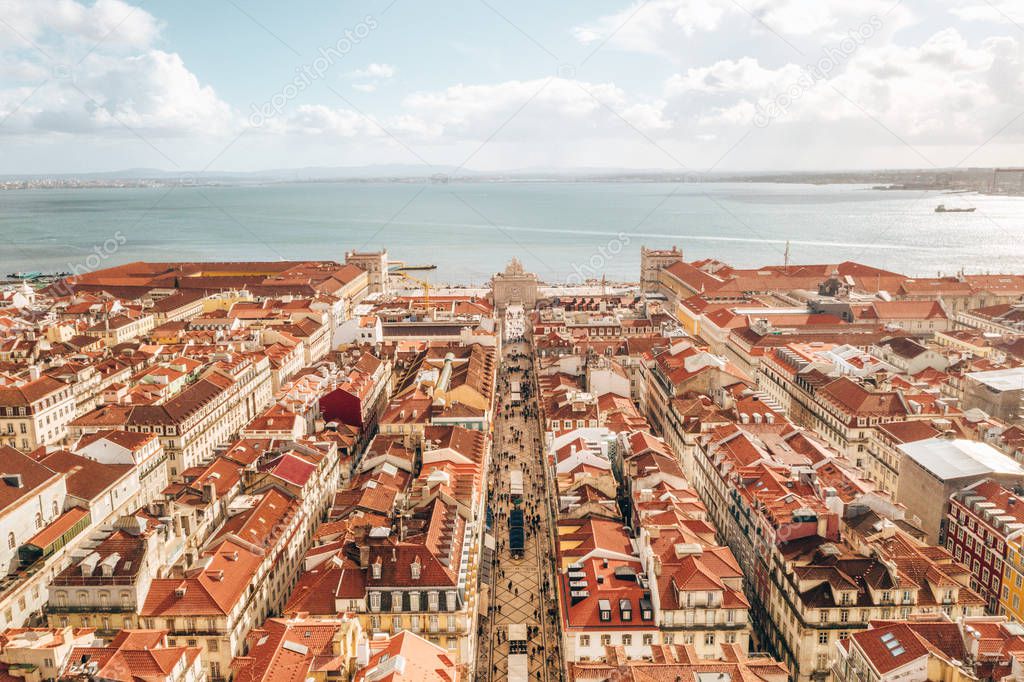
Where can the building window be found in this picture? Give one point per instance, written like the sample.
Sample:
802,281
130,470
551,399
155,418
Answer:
627,640
709,638
584,640
606,640
11,542
822,638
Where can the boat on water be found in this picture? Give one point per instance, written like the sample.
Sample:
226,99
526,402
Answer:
942,208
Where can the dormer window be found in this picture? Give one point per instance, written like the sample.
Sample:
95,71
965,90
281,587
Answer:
414,569
375,569
604,608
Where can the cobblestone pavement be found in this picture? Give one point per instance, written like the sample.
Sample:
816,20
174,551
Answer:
520,588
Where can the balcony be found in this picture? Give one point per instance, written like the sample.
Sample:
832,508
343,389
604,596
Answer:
88,608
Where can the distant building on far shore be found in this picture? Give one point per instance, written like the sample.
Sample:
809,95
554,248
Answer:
1008,181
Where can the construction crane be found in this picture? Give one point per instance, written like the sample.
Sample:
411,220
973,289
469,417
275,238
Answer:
422,282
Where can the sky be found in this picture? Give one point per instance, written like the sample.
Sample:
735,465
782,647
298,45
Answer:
488,85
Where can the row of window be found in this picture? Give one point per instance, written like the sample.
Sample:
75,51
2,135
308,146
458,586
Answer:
433,624
647,639
865,615
990,538
398,602
22,410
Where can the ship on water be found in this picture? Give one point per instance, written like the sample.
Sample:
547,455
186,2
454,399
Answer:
942,208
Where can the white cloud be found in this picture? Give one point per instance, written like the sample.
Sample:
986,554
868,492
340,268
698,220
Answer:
997,11
534,113
371,77
941,91
661,26
58,22
538,109
948,89
654,25
375,70
317,119
745,75
99,74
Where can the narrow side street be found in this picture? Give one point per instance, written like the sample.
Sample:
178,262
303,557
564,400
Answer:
521,584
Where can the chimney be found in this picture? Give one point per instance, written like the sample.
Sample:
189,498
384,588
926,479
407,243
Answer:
34,373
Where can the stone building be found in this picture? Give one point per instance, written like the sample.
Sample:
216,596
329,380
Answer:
651,263
375,263
515,285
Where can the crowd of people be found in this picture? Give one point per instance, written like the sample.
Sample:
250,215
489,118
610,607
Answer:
518,445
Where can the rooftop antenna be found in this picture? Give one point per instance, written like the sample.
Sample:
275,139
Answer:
787,257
